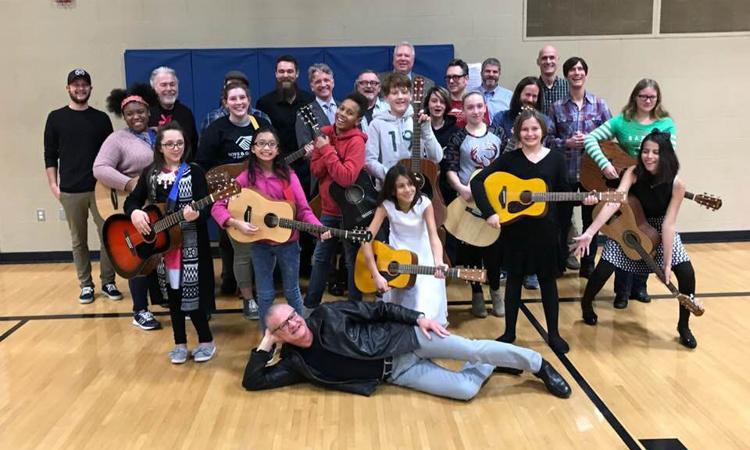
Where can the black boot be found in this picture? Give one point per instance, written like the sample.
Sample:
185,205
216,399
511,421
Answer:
555,383
587,310
683,327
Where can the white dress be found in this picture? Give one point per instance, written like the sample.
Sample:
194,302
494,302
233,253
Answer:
409,232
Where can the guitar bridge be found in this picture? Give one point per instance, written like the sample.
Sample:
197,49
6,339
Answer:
129,243
503,197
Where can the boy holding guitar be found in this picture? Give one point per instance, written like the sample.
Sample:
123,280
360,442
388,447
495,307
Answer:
339,157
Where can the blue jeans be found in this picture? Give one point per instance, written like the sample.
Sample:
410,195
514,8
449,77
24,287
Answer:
324,251
415,370
264,258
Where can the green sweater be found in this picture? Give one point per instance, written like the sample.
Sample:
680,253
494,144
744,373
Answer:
629,134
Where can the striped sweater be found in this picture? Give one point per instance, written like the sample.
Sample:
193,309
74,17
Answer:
628,133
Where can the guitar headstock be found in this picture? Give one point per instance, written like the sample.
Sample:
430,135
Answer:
417,93
612,196
692,303
360,235
472,275
223,185
308,116
711,202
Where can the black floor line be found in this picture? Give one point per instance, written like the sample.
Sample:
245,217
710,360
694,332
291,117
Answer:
585,386
100,315
610,298
12,329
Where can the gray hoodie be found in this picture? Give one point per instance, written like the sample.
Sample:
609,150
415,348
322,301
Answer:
389,141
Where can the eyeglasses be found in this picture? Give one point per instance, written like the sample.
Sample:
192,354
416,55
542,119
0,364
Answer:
368,83
270,144
173,145
454,77
285,323
650,98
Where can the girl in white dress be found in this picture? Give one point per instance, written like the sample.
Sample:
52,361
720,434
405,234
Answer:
412,227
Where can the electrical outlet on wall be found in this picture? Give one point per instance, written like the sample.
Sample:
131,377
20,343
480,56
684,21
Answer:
61,215
41,215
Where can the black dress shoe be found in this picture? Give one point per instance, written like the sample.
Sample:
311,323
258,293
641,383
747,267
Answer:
508,370
586,270
642,296
621,301
686,338
336,289
589,316
506,337
555,383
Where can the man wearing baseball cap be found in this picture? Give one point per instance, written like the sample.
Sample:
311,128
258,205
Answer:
233,76
72,137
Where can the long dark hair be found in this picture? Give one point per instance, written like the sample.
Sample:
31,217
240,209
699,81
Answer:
389,186
515,101
280,168
116,96
159,161
668,166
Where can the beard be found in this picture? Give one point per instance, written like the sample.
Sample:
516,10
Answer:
287,90
79,101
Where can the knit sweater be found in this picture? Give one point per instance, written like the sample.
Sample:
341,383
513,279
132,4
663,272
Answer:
123,156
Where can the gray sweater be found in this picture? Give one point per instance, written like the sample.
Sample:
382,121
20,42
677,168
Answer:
123,156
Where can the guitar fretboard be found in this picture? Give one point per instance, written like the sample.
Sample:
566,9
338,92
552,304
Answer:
575,196
310,228
414,269
175,218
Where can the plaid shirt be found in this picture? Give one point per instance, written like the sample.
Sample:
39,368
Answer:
218,113
567,119
558,91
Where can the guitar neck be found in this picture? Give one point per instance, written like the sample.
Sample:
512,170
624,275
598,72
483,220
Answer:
567,196
414,269
300,152
311,228
633,243
416,142
177,216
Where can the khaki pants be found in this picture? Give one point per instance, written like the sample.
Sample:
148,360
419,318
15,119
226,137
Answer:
77,207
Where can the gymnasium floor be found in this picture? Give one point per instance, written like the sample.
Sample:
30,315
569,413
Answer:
81,376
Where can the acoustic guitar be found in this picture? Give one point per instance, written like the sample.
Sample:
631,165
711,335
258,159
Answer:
275,220
425,170
400,268
512,197
465,222
133,253
638,240
357,202
107,200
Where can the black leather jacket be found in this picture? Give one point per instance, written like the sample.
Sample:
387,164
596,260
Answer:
359,330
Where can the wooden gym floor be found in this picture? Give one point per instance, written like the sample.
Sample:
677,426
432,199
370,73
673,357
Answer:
81,376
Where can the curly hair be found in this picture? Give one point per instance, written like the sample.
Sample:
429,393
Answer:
116,96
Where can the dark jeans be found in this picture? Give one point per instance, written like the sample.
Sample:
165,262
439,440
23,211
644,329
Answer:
198,317
324,252
141,287
565,211
265,256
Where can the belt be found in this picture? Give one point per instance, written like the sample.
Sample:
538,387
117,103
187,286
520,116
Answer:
387,368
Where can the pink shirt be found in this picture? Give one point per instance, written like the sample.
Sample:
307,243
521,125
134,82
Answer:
273,187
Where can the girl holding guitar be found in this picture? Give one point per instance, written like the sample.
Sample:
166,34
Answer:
412,227
474,147
267,173
189,268
654,183
529,244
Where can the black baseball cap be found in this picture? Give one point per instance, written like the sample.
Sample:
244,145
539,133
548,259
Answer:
235,75
79,74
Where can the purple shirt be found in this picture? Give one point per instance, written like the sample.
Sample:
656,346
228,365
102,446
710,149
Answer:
567,119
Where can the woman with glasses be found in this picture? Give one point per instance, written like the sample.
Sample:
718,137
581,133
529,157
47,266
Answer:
266,172
189,274
643,114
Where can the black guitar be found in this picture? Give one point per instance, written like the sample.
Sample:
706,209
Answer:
357,202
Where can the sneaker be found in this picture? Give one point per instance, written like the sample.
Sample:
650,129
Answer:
204,352
111,291
498,305
503,277
250,309
531,282
572,263
87,295
178,355
145,320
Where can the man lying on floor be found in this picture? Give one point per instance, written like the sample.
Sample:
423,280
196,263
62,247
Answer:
354,346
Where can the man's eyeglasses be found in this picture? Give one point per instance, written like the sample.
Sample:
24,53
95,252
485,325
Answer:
173,145
270,144
368,83
454,77
285,323
650,98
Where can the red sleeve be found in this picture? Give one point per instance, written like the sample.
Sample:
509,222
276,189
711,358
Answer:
345,172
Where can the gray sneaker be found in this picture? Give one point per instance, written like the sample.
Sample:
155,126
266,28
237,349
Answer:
250,309
498,305
178,355
204,352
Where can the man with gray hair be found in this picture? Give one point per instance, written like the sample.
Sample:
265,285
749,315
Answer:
323,107
496,97
165,83
403,62
368,84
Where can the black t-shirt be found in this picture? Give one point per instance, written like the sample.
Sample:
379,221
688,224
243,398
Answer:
224,142
180,114
284,115
71,142
333,367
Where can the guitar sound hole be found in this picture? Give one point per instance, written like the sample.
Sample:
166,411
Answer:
420,182
631,239
393,269
271,220
525,197
354,194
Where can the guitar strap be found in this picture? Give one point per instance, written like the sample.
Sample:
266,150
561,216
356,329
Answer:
253,121
288,193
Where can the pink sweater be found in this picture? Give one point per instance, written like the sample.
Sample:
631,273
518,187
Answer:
122,156
273,187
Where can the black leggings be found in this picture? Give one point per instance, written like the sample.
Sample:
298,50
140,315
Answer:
550,301
198,317
683,271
